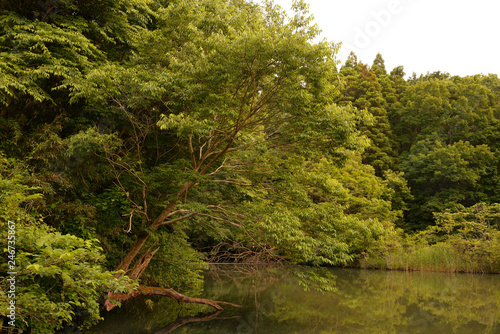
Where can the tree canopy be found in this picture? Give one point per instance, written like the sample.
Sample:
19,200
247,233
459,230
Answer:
168,134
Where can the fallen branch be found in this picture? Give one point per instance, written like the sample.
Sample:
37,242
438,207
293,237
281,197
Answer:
157,291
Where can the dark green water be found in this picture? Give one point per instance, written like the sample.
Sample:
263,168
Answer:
365,301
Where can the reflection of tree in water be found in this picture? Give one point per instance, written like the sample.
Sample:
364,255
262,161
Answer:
170,328
251,286
363,302
461,301
371,301
143,315
402,302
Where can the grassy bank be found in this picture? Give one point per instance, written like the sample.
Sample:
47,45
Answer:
466,241
441,257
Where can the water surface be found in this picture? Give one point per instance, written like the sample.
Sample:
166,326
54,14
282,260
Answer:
276,300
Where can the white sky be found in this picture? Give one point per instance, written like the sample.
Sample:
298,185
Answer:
456,36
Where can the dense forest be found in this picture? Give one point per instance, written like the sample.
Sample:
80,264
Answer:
142,139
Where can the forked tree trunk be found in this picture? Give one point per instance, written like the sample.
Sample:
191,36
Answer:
132,254
143,236
163,219
142,263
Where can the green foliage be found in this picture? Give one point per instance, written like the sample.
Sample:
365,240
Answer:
56,275
401,194
378,66
33,51
442,176
451,109
315,212
463,240
177,264
366,89
216,86
447,132
215,128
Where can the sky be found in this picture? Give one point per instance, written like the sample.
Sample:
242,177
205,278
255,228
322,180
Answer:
455,36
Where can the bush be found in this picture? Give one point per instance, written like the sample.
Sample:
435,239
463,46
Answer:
465,240
49,276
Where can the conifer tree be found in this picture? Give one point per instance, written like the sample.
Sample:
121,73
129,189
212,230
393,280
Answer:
361,88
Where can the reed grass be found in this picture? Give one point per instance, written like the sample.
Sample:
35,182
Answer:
439,257
466,240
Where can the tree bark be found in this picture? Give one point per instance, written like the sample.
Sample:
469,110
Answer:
143,236
155,291
163,219
132,253
142,264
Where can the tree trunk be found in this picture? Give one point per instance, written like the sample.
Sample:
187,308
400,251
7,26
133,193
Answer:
155,291
143,236
132,253
142,264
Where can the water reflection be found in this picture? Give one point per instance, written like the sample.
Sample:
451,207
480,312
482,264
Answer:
364,302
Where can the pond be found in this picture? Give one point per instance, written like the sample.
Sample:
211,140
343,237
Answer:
280,300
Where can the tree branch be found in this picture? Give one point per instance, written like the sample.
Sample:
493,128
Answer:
171,221
155,291
234,182
221,219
